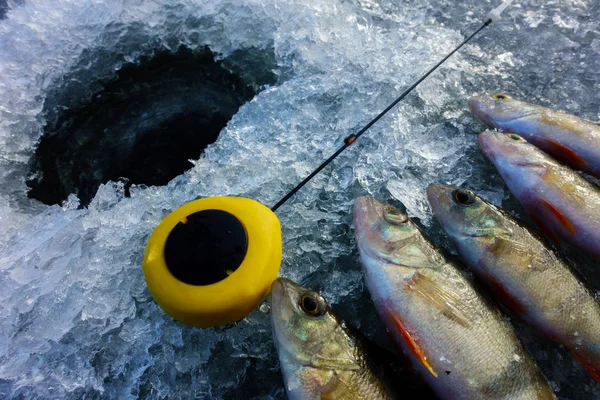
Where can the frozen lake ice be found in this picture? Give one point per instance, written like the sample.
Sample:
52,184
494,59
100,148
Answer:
76,318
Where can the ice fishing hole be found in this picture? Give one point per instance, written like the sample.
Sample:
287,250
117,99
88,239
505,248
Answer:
145,124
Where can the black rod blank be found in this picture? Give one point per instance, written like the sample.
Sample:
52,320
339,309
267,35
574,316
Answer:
348,141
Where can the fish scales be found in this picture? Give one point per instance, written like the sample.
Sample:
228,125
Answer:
535,282
563,204
322,358
456,339
566,137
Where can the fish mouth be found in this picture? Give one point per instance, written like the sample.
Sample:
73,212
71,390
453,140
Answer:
440,200
282,309
279,293
366,210
488,143
483,107
479,106
371,252
362,203
280,315
496,146
280,302
435,193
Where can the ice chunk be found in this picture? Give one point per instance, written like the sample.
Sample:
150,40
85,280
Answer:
76,318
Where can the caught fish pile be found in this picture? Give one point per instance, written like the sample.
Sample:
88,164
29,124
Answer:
565,137
456,339
524,273
561,202
453,336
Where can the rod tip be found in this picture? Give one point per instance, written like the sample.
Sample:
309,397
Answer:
496,14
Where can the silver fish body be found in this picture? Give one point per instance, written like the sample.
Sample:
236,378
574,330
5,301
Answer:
456,339
320,357
565,137
565,206
527,276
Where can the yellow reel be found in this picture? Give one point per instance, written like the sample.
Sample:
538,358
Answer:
212,261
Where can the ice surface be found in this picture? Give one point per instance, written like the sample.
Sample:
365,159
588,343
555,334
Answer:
76,319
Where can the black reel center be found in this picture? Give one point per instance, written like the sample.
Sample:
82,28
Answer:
206,247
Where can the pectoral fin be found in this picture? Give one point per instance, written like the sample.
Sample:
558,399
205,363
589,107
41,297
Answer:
337,388
560,217
506,297
594,370
550,234
448,302
564,153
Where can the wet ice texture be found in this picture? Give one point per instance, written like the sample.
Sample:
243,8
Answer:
76,319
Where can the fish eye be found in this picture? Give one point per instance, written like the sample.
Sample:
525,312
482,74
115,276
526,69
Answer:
515,137
463,197
311,305
394,216
501,96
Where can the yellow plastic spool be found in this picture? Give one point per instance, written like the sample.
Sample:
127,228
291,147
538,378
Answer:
241,290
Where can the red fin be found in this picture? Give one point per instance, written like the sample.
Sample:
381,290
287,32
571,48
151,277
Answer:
563,153
546,231
412,344
507,298
564,221
592,369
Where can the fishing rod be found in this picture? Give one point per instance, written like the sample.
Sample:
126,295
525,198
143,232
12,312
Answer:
491,17
211,261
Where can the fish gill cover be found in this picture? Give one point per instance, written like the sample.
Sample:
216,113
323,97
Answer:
76,318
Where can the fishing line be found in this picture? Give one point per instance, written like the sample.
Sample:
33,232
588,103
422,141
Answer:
212,261
492,16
